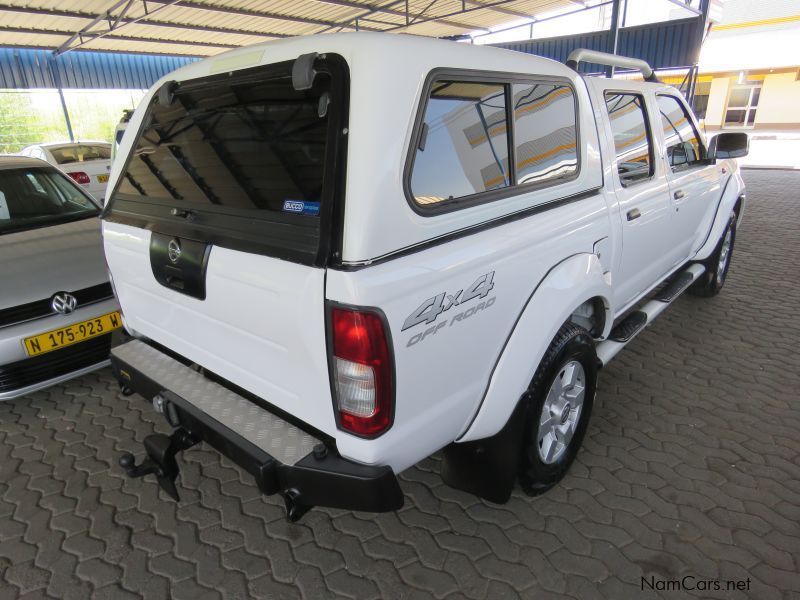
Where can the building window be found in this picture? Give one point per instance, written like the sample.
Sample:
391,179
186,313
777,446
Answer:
742,105
463,145
632,143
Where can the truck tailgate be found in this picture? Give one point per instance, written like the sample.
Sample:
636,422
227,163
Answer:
260,326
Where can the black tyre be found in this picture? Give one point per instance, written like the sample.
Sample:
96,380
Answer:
560,400
710,283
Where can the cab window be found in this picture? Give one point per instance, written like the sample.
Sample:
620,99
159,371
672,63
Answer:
683,144
463,146
632,143
480,141
545,132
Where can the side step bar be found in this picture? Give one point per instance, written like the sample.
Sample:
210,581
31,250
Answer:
629,328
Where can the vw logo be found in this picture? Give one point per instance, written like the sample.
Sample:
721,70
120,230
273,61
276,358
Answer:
63,303
174,250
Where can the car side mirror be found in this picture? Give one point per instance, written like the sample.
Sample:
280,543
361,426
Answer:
732,144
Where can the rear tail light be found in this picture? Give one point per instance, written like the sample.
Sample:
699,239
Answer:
362,371
80,177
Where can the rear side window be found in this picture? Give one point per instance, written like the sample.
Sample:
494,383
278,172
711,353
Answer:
245,152
463,146
632,144
545,136
81,153
683,144
478,140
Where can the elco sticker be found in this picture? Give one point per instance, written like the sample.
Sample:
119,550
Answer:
301,207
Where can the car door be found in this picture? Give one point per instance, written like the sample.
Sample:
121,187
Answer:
641,190
694,183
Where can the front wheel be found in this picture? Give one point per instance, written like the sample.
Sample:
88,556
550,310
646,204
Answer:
710,283
560,400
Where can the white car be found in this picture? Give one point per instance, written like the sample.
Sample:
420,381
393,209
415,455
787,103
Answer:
87,163
57,309
340,254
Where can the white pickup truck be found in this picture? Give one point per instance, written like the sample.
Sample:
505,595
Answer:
336,255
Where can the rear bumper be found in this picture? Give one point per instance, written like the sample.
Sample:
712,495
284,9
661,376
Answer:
318,478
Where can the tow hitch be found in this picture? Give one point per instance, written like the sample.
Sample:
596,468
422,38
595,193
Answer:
161,451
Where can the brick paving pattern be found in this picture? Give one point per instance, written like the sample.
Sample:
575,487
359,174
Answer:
691,466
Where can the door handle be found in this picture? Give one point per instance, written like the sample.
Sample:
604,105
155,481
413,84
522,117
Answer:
678,195
633,214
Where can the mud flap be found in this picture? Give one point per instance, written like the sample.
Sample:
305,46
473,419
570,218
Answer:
487,468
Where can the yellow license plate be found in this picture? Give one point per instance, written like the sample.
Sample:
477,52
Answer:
72,334
102,178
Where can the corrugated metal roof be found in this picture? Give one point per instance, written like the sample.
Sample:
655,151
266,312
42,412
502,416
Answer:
205,27
23,68
667,45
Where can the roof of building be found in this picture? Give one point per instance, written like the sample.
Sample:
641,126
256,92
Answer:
206,27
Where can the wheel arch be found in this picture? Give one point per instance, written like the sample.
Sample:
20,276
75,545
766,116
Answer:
733,198
574,282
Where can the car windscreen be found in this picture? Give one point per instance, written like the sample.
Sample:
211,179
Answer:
242,157
78,153
39,196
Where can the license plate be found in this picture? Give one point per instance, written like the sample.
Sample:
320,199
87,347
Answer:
102,178
72,334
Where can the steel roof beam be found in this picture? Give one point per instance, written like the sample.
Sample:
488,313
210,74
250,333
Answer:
246,12
697,12
86,31
440,18
499,9
389,10
401,13
150,22
122,38
94,22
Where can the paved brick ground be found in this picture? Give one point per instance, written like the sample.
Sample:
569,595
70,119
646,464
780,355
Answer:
691,467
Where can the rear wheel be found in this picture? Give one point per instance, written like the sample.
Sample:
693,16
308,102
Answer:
560,400
710,283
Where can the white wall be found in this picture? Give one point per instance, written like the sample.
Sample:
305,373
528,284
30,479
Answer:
779,104
718,96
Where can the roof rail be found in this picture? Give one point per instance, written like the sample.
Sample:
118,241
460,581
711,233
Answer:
580,55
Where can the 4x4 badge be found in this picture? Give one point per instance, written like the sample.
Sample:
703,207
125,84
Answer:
428,311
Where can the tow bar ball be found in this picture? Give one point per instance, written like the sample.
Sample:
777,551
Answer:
161,452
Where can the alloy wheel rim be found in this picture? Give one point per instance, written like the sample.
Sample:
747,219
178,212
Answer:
561,412
724,256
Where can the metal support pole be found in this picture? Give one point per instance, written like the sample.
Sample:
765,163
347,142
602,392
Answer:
57,80
702,25
613,35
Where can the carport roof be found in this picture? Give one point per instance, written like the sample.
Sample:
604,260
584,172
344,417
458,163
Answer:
205,27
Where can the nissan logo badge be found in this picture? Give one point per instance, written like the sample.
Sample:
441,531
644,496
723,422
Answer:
174,250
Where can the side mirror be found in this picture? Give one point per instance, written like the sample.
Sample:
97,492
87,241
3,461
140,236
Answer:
733,144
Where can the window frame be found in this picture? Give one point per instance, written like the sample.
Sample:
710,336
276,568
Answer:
245,231
507,80
693,122
648,128
748,107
